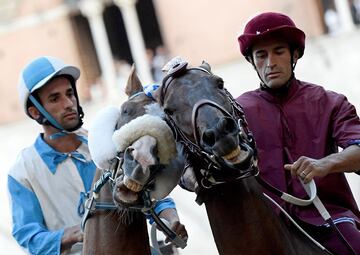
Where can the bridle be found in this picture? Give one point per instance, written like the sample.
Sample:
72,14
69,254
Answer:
209,164
146,205
92,204
212,168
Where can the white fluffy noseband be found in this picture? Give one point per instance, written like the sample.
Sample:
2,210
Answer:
101,147
147,125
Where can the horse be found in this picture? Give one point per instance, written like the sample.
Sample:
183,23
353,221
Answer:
221,155
121,227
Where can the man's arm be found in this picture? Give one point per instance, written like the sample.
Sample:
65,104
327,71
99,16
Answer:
29,229
307,168
166,209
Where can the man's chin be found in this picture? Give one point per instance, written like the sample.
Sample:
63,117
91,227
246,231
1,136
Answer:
275,84
70,125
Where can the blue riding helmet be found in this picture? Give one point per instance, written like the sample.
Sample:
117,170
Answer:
36,75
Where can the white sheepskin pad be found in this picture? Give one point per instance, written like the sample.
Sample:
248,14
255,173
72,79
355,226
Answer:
101,146
147,125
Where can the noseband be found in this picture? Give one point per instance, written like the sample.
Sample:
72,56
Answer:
211,169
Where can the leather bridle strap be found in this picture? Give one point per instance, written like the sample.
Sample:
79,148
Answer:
310,189
149,208
91,203
196,111
174,72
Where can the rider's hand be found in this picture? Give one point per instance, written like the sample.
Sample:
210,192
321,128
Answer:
71,236
307,168
172,217
179,229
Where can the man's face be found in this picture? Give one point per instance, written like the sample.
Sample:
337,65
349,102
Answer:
272,59
58,99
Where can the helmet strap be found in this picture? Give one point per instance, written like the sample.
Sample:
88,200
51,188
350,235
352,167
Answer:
46,119
45,115
293,63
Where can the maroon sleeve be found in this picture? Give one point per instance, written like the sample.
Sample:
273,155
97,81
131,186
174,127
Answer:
346,123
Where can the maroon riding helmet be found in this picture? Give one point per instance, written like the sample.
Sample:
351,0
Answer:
271,24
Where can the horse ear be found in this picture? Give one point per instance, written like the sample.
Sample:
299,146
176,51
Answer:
206,66
133,84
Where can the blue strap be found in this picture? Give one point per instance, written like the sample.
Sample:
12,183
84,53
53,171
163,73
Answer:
81,204
45,113
136,94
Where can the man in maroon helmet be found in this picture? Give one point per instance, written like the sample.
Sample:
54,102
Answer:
298,127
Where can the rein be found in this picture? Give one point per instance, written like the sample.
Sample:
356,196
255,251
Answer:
92,204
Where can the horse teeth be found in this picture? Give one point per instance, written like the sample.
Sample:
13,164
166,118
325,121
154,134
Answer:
131,185
232,155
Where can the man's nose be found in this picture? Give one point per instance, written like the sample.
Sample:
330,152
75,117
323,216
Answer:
271,61
69,102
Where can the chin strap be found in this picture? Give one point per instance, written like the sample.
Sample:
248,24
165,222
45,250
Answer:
46,115
46,119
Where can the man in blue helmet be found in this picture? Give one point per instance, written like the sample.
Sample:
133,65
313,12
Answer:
48,180
298,127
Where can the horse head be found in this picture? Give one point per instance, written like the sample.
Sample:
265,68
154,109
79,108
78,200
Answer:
136,156
151,164
206,119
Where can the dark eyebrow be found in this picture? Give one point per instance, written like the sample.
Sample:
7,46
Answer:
259,51
70,90
280,47
55,94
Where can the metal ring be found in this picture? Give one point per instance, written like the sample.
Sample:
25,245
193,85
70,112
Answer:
302,175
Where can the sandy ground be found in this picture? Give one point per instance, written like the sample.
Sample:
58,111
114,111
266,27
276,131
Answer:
332,62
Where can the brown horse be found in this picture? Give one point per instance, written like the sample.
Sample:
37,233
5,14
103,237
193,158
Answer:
124,230
110,232
222,153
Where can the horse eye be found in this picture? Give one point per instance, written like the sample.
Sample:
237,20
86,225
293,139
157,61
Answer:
220,83
126,111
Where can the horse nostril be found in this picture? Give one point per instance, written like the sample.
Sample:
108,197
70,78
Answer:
227,125
129,153
208,138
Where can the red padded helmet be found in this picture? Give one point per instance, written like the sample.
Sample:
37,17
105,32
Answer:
271,24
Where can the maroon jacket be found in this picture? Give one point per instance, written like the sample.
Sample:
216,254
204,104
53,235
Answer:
308,121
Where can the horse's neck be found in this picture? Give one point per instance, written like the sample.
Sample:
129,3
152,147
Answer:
114,232
241,220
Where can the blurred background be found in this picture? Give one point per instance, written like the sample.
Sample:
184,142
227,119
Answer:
104,38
